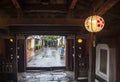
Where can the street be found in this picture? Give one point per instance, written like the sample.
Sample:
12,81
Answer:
48,57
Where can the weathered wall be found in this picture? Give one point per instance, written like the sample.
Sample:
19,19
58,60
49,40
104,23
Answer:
114,45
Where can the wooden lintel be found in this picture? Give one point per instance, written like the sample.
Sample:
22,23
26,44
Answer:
59,21
105,7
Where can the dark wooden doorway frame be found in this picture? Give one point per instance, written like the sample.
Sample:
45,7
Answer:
45,68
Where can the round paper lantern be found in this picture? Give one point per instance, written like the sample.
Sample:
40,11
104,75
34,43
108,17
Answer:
94,23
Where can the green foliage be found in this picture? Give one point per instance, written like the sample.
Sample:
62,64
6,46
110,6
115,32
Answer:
51,37
38,45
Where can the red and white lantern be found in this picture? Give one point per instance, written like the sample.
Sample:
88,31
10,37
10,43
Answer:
94,23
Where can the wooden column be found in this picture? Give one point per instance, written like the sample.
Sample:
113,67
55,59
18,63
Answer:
21,55
70,53
10,49
15,60
91,77
75,58
81,59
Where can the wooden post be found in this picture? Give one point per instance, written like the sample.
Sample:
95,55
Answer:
91,44
20,54
16,61
69,54
75,58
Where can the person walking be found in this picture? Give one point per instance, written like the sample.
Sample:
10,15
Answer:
62,52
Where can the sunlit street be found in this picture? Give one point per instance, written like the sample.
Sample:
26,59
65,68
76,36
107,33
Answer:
48,57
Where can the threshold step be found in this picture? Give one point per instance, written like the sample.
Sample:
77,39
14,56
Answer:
82,78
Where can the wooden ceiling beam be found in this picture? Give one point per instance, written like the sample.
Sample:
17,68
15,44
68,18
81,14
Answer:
71,7
44,7
18,8
45,11
97,4
105,7
34,21
16,4
73,4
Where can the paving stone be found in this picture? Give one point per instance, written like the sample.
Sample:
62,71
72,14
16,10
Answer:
48,57
44,77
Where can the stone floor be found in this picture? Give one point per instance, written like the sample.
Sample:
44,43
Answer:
46,76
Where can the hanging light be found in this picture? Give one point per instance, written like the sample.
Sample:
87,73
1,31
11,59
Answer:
94,23
80,40
11,39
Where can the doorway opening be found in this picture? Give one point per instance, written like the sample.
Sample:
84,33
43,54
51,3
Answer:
45,51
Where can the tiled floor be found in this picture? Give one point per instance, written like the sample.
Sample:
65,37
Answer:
46,76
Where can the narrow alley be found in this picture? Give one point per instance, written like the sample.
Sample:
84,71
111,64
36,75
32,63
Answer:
47,57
